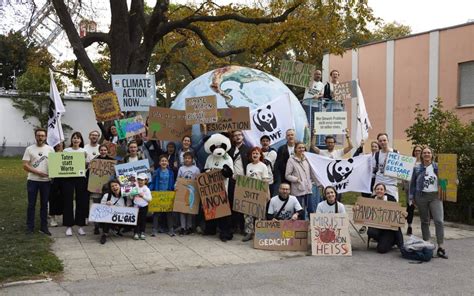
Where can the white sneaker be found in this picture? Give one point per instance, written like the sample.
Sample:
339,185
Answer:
69,231
53,222
136,237
81,231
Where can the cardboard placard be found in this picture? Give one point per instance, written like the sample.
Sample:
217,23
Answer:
399,166
167,124
106,106
100,172
201,110
345,90
448,176
251,197
111,148
187,197
282,235
229,119
296,73
213,193
135,92
129,127
66,164
379,213
162,201
330,123
127,175
330,235
113,214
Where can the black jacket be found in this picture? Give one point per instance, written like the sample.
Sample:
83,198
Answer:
280,163
244,150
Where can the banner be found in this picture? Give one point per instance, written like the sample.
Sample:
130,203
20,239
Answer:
66,164
167,124
106,106
282,235
162,201
112,214
330,123
187,197
56,110
229,119
363,123
399,166
127,175
379,213
296,73
272,119
251,197
101,171
136,92
330,235
345,90
448,176
353,174
215,203
129,127
201,110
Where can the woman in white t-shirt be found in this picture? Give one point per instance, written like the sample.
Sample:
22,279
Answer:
330,205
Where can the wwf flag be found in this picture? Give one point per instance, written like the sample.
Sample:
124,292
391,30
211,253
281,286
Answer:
56,110
353,174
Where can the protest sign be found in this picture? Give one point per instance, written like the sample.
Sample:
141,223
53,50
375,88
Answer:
135,92
127,175
211,187
282,235
162,201
448,176
128,183
330,123
379,213
201,110
251,196
187,197
345,90
229,119
106,106
399,166
167,124
296,73
111,148
100,172
113,214
129,127
66,164
330,235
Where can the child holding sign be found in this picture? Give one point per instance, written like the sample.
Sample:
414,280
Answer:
141,201
187,171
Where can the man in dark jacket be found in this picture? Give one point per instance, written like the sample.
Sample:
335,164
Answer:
283,154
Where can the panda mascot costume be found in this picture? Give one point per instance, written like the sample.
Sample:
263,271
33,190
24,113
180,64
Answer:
217,146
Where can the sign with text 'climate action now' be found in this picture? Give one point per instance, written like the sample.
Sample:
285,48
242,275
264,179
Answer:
135,92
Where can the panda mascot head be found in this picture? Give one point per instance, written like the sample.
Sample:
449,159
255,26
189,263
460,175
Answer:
217,146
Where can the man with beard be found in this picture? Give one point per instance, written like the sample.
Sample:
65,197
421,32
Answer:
92,149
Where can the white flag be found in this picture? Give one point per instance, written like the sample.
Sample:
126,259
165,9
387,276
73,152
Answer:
363,122
353,174
272,119
56,110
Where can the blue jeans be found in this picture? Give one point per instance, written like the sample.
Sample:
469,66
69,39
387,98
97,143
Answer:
304,202
314,200
32,188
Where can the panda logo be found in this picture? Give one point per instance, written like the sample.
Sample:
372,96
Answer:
339,170
265,120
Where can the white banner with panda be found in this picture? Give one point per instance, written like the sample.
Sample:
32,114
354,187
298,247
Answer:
353,174
272,119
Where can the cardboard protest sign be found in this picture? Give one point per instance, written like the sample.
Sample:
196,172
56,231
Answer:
231,119
296,73
282,235
162,201
113,214
345,90
379,213
127,175
399,166
100,172
251,196
213,193
66,164
330,235
187,197
128,183
106,106
330,123
448,176
129,127
135,92
167,124
111,148
201,110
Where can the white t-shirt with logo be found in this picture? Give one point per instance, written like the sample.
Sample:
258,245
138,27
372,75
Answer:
291,207
325,208
379,175
271,156
37,157
257,171
430,183
92,152
335,154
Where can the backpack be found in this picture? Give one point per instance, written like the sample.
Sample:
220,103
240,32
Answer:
423,255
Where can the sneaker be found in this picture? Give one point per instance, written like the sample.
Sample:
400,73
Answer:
53,222
171,233
45,231
96,230
136,237
181,232
103,239
409,230
442,253
247,237
81,231
142,236
69,231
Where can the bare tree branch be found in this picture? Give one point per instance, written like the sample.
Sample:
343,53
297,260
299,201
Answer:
92,37
190,72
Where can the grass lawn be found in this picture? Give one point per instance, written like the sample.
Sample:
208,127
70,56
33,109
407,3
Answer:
21,256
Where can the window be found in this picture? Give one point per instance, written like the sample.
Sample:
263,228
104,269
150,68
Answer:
466,83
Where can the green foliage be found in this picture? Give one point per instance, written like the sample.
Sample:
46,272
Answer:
390,31
13,57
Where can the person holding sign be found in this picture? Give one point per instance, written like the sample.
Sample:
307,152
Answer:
187,171
330,205
284,206
113,197
424,194
185,147
378,162
56,194
331,144
141,201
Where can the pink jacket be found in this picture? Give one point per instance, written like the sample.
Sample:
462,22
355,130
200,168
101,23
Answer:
299,173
